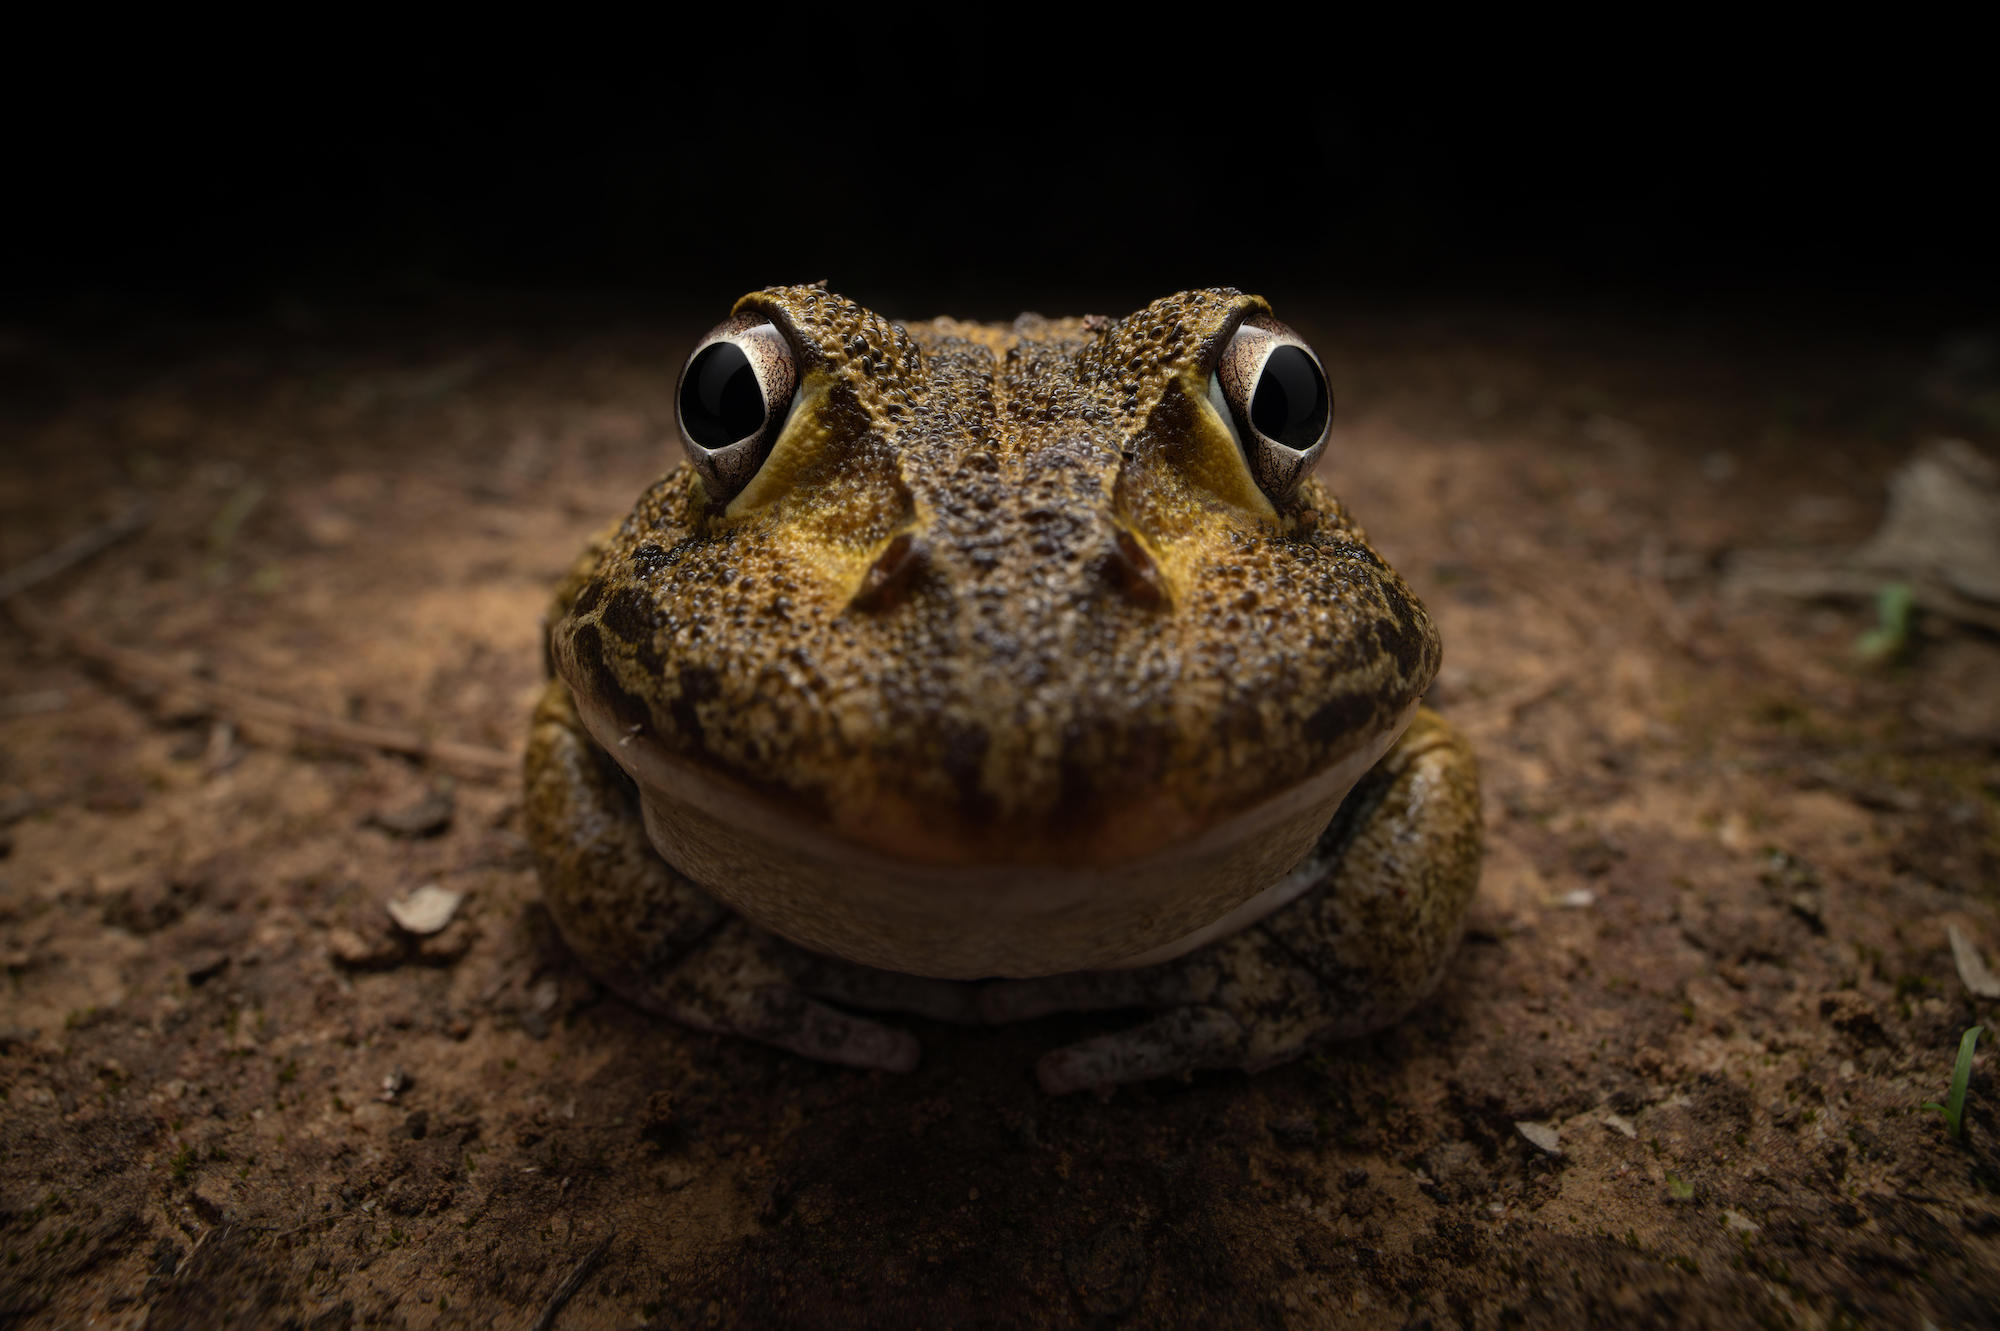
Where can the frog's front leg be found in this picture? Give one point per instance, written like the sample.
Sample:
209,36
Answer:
1396,870
655,937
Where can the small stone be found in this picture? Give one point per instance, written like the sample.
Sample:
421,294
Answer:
211,1198
426,910
394,1084
1541,1136
429,816
541,1004
1295,1131
205,966
351,949
1620,1124
1972,970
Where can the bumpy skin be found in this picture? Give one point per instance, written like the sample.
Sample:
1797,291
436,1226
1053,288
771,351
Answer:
1005,594
1012,594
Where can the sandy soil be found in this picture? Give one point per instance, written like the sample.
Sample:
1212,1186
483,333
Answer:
1708,966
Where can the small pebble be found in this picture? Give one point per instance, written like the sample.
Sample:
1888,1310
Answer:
426,910
429,816
1972,969
1295,1131
1541,1136
351,949
205,966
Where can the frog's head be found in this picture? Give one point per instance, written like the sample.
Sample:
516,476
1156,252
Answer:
1033,623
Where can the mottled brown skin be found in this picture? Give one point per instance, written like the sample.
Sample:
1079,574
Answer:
1005,595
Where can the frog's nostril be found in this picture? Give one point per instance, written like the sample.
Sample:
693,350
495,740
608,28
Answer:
1131,569
887,578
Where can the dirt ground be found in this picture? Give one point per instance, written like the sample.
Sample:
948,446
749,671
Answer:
1708,967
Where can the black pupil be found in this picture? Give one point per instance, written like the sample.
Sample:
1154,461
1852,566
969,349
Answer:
720,400
1290,405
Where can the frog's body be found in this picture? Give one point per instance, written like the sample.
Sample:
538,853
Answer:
999,655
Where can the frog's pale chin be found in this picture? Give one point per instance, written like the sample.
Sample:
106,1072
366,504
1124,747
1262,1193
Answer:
960,920
1310,872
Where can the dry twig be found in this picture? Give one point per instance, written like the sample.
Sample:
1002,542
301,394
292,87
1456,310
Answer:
470,760
1940,538
1816,576
139,669
572,1282
73,551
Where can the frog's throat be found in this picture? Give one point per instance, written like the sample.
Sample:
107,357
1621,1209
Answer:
972,920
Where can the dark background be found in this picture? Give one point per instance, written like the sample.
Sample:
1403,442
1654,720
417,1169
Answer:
1786,182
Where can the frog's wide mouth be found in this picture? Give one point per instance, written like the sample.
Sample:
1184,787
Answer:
1142,891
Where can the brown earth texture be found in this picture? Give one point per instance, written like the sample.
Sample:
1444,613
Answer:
1676,1076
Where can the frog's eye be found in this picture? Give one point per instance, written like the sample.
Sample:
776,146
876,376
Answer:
1269,387
736,391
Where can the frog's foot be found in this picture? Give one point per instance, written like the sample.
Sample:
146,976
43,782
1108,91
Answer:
743,981
655,937
1398,865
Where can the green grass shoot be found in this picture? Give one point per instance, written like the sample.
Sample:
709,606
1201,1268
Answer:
1890,637
1953,1107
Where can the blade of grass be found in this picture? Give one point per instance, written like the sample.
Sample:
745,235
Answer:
1953,1107
1890,637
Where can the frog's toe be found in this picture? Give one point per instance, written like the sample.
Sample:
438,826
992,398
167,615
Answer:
745,982
782,1016
1179,1041
790,1020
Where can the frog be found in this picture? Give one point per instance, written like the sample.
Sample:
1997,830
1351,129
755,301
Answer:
977,672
